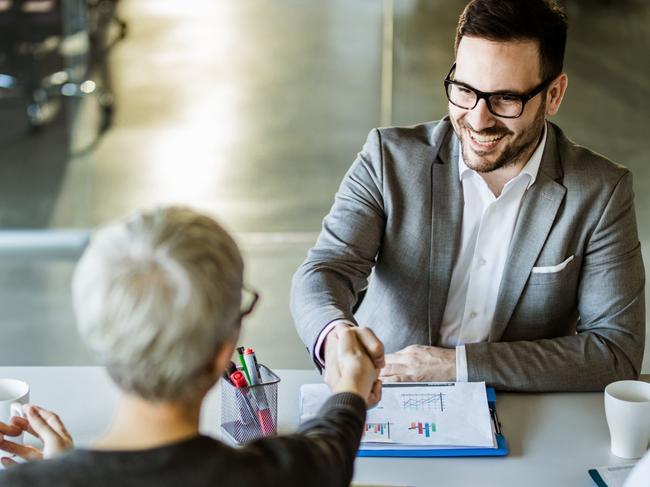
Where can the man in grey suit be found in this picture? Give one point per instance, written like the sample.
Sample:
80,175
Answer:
488,245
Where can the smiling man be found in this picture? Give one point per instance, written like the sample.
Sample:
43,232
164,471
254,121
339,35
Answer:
499,249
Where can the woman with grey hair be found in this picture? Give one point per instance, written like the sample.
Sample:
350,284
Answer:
158,297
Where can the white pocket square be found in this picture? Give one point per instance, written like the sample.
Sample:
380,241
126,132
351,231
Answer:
552,268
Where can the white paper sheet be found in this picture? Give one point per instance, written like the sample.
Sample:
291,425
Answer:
416,415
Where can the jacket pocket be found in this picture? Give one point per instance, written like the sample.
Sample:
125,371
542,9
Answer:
552,269
551,274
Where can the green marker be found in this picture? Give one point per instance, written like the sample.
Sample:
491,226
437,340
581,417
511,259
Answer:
240,352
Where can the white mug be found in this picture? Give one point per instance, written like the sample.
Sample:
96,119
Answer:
627,408
13,394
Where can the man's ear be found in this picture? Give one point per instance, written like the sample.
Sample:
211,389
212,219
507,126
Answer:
555,94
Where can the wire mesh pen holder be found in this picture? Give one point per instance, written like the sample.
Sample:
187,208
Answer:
250,412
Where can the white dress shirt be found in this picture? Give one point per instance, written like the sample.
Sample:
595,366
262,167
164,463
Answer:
488,225
487,228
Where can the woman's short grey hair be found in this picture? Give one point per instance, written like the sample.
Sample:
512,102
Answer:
156,296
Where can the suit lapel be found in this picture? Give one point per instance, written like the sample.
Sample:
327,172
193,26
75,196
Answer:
536,216
446,219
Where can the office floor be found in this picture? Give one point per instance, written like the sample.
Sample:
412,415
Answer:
254,110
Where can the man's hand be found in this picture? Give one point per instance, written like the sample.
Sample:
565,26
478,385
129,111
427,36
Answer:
420,363
372,344
353,358
41,423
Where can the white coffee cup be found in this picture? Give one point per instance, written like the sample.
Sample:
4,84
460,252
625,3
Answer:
13,394
627,408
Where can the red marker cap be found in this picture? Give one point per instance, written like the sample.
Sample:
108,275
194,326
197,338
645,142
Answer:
238,379
249,351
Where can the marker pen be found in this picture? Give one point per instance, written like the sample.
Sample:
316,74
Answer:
238,380
230,369
263,411
246,409
240,352
228,372
251,365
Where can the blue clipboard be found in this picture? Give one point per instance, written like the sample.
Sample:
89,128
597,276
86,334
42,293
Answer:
500,451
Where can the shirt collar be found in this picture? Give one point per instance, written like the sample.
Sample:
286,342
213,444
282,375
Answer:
531,168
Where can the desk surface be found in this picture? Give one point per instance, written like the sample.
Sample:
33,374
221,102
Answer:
554,438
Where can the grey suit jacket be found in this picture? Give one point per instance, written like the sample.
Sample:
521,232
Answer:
398,215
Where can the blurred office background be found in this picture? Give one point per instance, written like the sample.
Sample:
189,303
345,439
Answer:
252,110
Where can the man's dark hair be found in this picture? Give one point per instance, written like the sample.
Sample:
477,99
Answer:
517,20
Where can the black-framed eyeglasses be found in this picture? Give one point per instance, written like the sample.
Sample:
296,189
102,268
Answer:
503,104
249,299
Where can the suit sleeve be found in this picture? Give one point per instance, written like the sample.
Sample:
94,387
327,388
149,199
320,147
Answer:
327,285
610,335
322,453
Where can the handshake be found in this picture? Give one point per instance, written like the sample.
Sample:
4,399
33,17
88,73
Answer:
353,358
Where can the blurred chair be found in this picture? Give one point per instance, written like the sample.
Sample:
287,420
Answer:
44,49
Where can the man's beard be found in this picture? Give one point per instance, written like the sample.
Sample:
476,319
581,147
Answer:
514,153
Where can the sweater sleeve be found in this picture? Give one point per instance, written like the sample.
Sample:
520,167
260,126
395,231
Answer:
321,453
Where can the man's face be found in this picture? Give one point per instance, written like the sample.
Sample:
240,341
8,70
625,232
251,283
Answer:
489,142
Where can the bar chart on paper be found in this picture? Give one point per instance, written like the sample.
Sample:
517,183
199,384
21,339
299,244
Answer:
423,429
377,432
413,419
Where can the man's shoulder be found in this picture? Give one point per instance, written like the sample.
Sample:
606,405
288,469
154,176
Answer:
586,165
426,133
408,150
66,470
164,465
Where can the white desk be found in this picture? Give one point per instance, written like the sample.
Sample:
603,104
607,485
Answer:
553,438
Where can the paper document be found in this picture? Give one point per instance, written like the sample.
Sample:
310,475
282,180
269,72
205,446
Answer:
419,415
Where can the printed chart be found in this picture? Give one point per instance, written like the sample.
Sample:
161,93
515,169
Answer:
377,432
423,429
424,401
427,415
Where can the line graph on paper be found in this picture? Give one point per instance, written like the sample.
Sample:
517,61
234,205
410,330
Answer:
426,402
